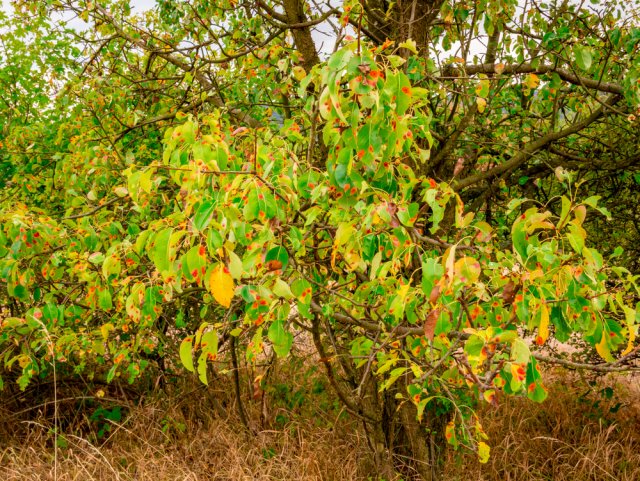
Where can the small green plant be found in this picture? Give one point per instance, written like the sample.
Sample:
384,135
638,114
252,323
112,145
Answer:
104,419
172,426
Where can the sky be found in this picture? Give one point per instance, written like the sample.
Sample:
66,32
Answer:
139,5
323,36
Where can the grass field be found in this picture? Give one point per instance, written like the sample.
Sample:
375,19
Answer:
586,430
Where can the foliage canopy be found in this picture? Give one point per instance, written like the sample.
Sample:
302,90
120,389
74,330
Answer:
418,200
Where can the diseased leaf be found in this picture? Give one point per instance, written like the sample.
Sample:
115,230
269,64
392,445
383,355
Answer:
467,270
430,323
532,81
543,327
160,253
277,259
186,354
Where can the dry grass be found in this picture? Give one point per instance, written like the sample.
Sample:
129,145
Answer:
221,451
197,436
187,433
575,435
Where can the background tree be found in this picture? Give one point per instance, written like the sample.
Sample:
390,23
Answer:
416,198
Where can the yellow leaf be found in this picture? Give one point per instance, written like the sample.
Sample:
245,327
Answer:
532,81
105,329
483,452
403,291
467,270
299,73
353,259
221,285
537,273
603,348
543,328
481,103
449,260
24,360
409,45
630,315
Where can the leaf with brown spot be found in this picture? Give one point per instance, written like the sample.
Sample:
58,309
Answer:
509,292
430,323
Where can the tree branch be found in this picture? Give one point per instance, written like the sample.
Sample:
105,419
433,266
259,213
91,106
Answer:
609,367
93,211
566,75
525,154
182,65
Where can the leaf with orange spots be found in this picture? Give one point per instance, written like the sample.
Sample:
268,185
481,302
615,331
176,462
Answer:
209,346
186,354
532,81
450,434
467,270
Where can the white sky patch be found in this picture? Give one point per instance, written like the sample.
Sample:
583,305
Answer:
140,6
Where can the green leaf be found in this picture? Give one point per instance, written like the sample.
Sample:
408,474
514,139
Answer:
209,347
104,300
582,56
112,373
277,259
281,339
520,352
340,59
235,265
393,377
203,215
282,289
576,237
535,390
161,251
562,329
186,354
519,238
409,45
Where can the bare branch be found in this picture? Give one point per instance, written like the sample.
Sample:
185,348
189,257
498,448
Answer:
526,68
530,149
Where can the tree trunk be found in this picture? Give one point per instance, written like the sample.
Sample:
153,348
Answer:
410,449
400,21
